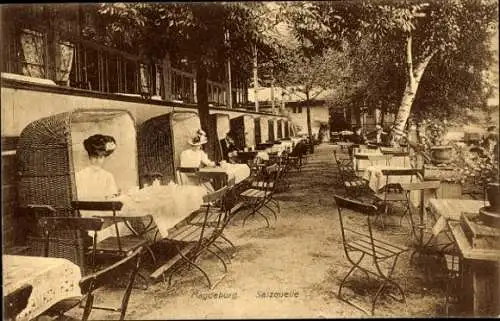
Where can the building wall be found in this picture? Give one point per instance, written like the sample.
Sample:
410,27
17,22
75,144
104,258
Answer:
318,114
22,106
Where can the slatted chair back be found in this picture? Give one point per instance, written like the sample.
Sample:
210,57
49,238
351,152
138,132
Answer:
102,206
344,167
89,284
367,209
16,301
213,216
82,224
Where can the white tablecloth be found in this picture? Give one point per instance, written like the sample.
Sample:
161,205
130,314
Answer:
52,279
287,145
168,204
240,172
376,180
296,140
279,148
362,164
264,155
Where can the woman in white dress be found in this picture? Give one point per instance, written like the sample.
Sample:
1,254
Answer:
195,157
94,183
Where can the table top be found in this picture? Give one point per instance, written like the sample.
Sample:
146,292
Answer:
239,171
451,208
167,204
52,279
467,251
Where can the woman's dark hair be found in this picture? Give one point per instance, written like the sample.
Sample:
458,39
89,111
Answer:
99,145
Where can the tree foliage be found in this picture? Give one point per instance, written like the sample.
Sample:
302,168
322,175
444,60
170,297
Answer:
454,33
204,34
309,76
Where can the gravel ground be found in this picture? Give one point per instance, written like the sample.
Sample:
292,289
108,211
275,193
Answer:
300,259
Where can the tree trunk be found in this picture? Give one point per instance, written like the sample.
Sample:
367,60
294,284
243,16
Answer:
357,114
202,95
412,82
308,113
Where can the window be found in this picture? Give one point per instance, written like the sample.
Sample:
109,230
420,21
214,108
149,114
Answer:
33,57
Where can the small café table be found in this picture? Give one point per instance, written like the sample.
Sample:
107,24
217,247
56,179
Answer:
377,180
52,279
361,161
166,204
480,267
226,172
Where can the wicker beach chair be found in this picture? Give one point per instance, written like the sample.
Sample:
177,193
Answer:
258,131
271,130
286,133
50,151
161,140
244,127
219,126
279,129
264,129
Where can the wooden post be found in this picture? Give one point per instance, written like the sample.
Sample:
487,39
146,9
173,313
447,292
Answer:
229,95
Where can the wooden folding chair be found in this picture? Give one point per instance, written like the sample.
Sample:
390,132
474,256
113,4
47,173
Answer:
360,247
16,301
50,225
91,283
219,215
354,186
193,237
116,246
261,193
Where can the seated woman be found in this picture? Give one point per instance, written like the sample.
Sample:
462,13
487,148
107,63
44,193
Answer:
195,157
94,183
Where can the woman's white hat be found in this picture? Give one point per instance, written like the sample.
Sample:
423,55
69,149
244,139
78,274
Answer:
199,138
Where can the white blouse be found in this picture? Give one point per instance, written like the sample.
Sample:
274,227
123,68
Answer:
195,158
94,183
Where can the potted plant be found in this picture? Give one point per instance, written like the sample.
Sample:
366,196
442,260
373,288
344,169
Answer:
482,167
432,134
